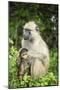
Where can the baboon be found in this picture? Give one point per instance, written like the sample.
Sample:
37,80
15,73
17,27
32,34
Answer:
37,49
23,63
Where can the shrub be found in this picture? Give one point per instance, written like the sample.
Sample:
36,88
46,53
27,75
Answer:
51,78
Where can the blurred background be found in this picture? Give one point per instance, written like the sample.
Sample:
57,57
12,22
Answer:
46,17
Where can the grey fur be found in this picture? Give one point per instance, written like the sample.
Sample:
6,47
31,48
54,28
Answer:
37,50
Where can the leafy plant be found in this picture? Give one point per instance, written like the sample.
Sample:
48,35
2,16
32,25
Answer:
49,79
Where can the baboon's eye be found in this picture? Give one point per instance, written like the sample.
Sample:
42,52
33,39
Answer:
27,29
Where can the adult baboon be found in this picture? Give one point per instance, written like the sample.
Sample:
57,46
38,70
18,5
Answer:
37,49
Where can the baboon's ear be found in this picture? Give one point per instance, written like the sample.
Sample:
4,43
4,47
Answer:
37,28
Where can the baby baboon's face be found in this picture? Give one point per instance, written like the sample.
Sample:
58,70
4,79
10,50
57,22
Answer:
24,55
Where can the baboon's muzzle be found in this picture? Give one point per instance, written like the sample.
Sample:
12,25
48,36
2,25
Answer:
26,36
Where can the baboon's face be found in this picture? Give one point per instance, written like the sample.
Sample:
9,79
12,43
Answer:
24,55
30,31
27,34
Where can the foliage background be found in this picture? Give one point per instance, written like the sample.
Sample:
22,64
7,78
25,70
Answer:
46,17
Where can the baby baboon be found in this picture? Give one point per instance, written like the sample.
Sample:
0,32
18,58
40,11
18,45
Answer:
23,63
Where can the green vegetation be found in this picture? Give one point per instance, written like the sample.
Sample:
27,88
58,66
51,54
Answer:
49,79
46,17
